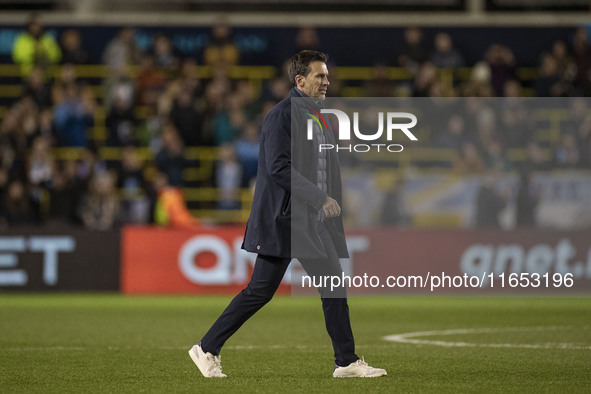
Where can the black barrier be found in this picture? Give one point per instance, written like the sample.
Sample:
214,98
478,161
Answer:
59,259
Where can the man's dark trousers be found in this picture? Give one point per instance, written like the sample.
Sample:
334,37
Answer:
266,277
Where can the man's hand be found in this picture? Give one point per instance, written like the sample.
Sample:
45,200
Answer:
331,208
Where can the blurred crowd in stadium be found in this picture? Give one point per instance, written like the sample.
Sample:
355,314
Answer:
181,110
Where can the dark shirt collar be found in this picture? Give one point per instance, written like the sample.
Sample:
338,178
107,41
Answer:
316,104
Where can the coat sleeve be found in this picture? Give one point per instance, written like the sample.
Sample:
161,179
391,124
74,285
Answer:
277,146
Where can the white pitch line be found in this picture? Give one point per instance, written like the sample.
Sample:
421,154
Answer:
43,348
119,348
409,338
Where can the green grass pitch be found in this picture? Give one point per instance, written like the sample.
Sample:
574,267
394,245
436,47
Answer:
87,343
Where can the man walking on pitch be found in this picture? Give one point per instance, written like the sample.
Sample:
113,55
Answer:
295,214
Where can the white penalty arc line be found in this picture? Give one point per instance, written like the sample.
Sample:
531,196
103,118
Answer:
410,338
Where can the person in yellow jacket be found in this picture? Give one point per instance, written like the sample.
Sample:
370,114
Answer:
35,48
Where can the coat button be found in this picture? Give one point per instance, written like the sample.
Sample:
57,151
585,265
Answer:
258,247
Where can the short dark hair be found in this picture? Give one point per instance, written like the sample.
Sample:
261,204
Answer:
299,64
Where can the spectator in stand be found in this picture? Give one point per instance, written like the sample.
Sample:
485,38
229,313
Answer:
40,168
549,83
216,94
567,154
579,124
151,81
20,127
74,116
88,167
501,62
100,206
471,110
38,89
412,53
394,211
189,79
515,119
467,159
221,52
164,53
45,127
71,47
228,178
35,48
247,152
445,55
276,90
148,131
132,185
170,160
528,199
67,75
567,69
380,85
119,55
222,85
424,80
486,127
512,89
11,148
121,122
18,207
248,100
536,158
581,52
479,84
120,52
60,204
489,202
122,89
65,194
307,38
7,154
496,157
170,208
229,121
187,119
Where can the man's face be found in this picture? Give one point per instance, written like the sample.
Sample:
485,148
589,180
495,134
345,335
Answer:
316,82
35,29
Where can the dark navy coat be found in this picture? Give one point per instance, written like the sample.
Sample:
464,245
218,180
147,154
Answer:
284,217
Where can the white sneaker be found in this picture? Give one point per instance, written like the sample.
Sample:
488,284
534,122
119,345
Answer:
209,365
358,369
